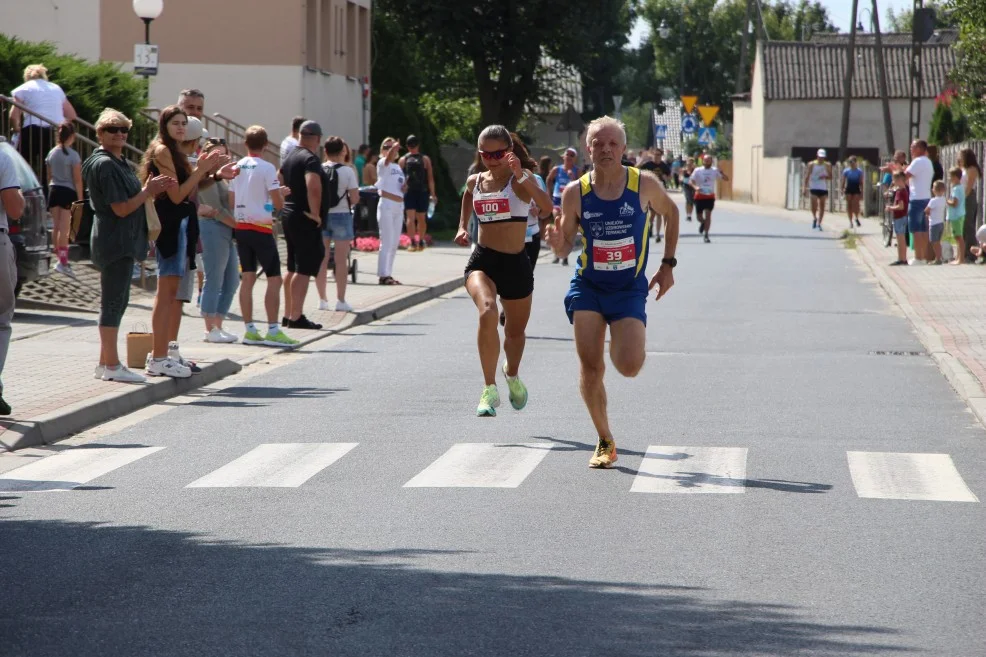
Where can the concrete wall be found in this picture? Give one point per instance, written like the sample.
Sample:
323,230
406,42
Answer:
772,181
73,25
818,123
748,134
336,102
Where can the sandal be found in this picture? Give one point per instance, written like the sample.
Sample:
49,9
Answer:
389,280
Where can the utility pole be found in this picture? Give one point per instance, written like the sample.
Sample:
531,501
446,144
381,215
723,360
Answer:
847,82
741,73
881,71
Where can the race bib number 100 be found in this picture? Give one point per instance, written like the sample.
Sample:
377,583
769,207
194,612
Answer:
492,209
614,255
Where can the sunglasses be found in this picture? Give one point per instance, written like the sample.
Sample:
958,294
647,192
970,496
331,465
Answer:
116,129
494,155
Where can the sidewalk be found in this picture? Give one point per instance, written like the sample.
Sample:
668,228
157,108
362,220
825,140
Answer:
48,376
945,303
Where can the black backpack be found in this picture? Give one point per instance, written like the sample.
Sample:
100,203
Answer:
330,186
414,170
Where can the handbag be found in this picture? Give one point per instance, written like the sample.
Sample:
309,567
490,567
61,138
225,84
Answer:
153,221
139,345
78,210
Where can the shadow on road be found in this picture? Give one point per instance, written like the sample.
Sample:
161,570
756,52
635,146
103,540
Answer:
260,393
134,591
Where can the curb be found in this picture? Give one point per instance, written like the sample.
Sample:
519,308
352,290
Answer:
70,420
968,387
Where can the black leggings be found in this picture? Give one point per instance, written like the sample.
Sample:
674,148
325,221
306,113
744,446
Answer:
533,249
115,281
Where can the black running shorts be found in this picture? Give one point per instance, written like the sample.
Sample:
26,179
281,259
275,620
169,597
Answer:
705,204
511,273
257,249
305,247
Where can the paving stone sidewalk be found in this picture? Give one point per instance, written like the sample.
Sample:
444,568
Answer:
48,376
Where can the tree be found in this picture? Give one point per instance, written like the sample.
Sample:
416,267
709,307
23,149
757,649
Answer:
970,71
948,124
903,20
504,42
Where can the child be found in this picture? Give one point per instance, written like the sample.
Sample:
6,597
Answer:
936,218
899,211
956,213
980,249
65,186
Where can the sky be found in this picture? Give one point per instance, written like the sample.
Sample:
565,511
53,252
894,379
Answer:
839,11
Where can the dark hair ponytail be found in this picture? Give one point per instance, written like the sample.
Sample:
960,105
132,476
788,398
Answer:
497,132
65,132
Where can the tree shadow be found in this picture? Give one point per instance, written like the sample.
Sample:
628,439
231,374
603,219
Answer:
228,397
134,591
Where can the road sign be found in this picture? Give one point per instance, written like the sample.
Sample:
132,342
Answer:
660,132
617,103
707,136
571,121
708,113
689,103
688,124
145,59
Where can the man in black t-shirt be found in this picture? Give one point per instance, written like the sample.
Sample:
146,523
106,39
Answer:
302,221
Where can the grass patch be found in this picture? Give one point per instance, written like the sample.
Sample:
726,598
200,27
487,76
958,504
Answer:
849,238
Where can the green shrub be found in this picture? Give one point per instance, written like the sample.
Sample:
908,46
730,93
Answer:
90,86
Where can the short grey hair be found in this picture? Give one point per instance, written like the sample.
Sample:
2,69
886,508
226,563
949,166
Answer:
605,122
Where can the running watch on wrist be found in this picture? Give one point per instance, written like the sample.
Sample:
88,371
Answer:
670,262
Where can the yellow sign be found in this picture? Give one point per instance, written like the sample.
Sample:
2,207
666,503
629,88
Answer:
689,103
708,113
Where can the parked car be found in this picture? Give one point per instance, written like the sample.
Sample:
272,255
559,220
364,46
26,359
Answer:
30,234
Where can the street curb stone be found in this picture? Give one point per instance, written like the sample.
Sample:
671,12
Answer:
70,420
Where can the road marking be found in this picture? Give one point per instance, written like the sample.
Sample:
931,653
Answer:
898,476
71,468
275,465
482,465
691,470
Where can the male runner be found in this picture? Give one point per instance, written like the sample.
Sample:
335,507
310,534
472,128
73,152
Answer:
609,206
558,178
818,173
703,181
420,180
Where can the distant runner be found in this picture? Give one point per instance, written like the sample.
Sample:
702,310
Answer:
817,176
610,285
558,179
703,182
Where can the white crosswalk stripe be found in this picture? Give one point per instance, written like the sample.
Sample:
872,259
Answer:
898,476
691,470
71,468
482,465
275,465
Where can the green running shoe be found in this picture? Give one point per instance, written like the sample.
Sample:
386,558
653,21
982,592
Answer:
518,391
279,339
488,402
253,337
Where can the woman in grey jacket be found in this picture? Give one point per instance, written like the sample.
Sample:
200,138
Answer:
220,262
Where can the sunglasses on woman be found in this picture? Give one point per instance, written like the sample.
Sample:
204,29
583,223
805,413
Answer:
494,155
116,129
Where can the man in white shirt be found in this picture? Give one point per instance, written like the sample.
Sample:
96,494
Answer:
11,206
338,225
291,141
46,99
919,173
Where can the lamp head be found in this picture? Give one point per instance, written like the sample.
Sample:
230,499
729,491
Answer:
148,9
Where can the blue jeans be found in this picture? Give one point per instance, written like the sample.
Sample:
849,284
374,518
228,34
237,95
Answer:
222,267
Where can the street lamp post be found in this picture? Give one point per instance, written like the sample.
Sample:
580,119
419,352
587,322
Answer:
147,11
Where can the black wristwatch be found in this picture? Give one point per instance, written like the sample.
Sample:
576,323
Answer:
670,262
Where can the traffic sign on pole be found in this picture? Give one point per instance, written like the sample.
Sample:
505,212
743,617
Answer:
660,131
707,136
688,124
145,59
689,103
708,113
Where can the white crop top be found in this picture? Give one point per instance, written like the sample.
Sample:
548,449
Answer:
503,205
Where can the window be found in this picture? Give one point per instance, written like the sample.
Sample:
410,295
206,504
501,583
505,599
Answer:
311,33
363,44
325,56
352,48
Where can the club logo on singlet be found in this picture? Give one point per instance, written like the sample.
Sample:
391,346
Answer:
597,228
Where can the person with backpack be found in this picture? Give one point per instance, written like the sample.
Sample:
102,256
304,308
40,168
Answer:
420,191
342,189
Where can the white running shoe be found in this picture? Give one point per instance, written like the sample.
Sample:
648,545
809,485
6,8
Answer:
324,305
230,337
123,375
218,336
166,367
65,269
98,372
343,307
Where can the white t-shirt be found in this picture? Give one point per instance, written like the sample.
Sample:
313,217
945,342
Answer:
288,145
347,181
922,172
706,181
533,224
937,206
45,98
391,179
252,190
818,179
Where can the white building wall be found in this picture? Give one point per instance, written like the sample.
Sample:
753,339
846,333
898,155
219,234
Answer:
817,123
336,102
72,25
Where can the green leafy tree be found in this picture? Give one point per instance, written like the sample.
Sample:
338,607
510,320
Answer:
970,71
504,42
902,21
948,123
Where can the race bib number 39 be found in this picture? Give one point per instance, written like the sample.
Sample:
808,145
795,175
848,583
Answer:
614,255
492,209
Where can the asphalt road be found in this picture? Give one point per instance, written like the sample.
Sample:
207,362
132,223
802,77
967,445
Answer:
773,361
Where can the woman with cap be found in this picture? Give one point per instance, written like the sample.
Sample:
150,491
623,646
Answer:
817,176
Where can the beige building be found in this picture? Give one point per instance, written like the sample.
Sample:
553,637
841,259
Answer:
257,61
794,107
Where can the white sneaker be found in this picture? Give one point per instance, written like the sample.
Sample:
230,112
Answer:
98,372
324,305
123,375
166,367
914,262
218,336
65,269
343,307
230,337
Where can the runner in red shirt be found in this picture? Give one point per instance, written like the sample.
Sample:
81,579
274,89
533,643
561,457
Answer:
703,181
